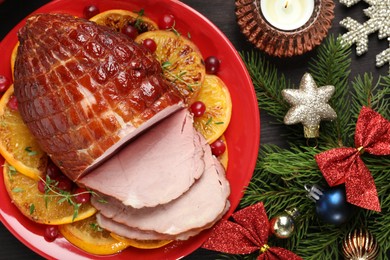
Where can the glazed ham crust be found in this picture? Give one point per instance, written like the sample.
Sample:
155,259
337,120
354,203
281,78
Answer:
82,89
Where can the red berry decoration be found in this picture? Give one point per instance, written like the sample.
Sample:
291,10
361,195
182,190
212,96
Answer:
130,31
150,44
90,11
4,83
198,108
212,64
13,103
82,195
51,233
166,21
218,147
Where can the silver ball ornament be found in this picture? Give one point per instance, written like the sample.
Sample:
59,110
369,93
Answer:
360,244
282,226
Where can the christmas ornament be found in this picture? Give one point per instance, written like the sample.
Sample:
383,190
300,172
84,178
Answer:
360,244
344,165
309,105
331,204
378,13
249,233
282,226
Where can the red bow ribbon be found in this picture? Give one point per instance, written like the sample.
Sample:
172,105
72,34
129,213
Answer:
247,234
344,165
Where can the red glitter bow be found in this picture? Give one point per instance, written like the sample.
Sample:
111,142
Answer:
247,234
344,165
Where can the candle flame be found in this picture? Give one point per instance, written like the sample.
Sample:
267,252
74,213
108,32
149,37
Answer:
286,4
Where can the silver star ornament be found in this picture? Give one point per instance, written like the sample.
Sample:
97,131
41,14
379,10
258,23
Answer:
309,105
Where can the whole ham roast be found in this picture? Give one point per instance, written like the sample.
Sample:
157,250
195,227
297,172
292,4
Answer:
98,104
83,90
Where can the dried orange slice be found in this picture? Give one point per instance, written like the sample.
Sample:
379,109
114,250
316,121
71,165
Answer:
17,145
215,95
88,236
223,158
142,244
13,58
181,61
24,193
117,19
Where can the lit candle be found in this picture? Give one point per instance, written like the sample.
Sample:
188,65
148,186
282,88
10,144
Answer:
287,15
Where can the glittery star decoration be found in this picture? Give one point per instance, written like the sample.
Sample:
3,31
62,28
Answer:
378,14
309,105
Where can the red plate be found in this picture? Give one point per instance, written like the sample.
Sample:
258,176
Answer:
243,133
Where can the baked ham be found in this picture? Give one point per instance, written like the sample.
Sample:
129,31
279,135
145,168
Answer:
84,90
157,167
197,209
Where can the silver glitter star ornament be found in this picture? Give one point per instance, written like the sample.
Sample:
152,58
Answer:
309,105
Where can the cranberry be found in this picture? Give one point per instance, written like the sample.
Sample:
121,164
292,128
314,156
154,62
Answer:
90,11
130,31
82,195
166,21
198,108
212,64
150,44
64,184
41,186
51,233
53,171
218,147
4,83
13,103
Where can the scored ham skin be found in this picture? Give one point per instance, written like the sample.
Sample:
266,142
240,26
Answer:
155,168
197,209
83,90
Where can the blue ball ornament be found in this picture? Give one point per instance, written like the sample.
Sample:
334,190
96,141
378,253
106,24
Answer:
331,204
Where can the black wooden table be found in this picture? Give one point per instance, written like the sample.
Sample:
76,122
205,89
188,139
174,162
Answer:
221,13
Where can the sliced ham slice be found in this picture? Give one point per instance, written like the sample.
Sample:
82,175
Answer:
157,167
134,233
197,209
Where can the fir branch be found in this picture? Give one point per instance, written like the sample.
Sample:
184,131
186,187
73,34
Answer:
268,84
331,66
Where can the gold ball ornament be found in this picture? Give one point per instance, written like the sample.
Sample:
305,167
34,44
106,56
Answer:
282,226
360,244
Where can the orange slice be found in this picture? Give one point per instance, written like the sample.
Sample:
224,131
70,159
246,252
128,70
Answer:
181,61
17,145
215,95
117,19
24,193
88,236
142,244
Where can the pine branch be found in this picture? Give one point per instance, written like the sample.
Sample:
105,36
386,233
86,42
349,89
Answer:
268,84
332,67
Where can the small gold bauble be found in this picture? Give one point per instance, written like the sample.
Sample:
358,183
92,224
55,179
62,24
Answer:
360,244
282,226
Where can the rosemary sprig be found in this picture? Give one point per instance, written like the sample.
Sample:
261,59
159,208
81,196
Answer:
178,77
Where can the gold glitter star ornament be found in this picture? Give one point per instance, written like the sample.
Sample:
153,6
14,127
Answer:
309,105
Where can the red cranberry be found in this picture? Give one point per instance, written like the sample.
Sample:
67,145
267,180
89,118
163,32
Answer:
166,21
198,108
4,83
41,186
53,171
82,195
51,233
13,103
64,184
90,11
218,147
212,64
130,31
150,44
